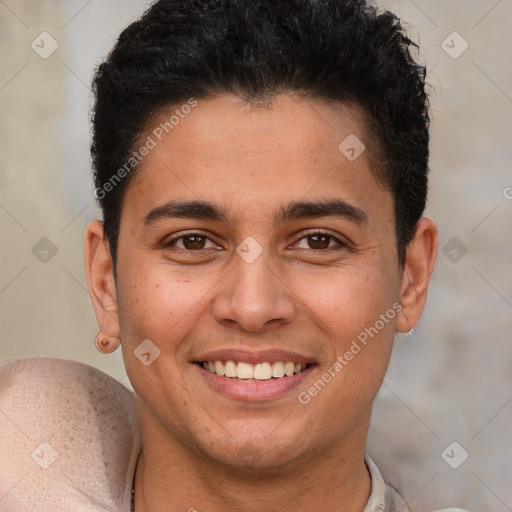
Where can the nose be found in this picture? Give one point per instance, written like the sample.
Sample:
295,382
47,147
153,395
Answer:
253,296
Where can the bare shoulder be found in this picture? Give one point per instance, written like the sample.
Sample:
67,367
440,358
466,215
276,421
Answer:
37,392
67,432
38,377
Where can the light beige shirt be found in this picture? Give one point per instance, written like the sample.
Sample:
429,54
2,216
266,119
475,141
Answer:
70,439
383,498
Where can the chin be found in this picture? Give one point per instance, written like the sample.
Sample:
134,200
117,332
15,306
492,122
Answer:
259,451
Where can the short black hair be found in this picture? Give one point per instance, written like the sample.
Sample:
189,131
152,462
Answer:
336,50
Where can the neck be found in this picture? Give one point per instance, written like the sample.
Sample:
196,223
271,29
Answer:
170,476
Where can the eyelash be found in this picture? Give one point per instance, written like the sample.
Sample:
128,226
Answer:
340,243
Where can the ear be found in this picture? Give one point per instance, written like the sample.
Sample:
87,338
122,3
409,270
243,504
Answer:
99,270
419,265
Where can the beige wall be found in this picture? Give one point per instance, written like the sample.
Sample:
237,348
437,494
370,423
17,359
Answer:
449,381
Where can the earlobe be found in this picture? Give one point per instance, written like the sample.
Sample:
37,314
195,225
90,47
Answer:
106,344
101,283
419,265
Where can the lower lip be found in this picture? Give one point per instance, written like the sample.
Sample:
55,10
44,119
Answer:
254,390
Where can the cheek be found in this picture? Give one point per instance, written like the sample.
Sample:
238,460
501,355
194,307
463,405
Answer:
346,300
347,309
159,301
354,310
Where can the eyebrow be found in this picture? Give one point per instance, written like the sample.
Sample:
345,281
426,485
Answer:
186,210
204,210
322,208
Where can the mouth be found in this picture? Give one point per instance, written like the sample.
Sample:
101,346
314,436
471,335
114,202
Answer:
254,381
263,371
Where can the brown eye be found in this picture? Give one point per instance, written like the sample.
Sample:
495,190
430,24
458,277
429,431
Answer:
194,242
318,241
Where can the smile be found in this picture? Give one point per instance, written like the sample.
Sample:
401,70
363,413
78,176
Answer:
259,371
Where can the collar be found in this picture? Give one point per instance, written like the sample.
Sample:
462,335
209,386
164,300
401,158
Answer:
383,497
376,501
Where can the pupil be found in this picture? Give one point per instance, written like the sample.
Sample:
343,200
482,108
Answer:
317,244
197,242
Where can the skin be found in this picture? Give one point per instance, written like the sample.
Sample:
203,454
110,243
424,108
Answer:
203,449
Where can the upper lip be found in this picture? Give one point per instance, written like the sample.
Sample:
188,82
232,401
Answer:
253,357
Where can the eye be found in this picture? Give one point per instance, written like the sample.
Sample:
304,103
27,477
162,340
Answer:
319,241
192,242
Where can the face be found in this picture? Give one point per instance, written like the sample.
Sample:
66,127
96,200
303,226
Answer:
250,244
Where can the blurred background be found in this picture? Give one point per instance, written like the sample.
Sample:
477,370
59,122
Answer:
442,424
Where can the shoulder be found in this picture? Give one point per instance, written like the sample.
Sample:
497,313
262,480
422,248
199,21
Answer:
396,503
69,436
385,498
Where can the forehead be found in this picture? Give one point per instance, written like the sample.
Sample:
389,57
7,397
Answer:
249,157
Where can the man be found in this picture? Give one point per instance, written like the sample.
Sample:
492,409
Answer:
262,172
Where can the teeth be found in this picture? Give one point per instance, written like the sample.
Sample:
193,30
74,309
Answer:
278,369
262,371
244,371
289,368
230,370
259,371
218,367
